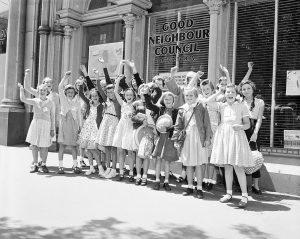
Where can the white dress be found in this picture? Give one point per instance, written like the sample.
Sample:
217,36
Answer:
193,153
40,126
124,133
88,134
230,146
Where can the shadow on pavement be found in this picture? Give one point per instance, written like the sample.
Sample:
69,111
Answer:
109,228
252,232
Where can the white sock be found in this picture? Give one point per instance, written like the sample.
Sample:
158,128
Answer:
131,173
229,192
144,175
61,163
92,167
75,163
157,180
190,186
121,171
43,164
245,195
166,181
138,175
199,187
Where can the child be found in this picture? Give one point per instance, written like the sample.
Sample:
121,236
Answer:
108,126
124,133
88,134
164,149
141,116
256,111
42,127
230,146
207,89
194,117
70,122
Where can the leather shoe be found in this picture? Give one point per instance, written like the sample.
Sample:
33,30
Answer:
199,194
256,191
188,192
243,204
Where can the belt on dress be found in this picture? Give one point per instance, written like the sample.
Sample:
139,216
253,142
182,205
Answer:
111,114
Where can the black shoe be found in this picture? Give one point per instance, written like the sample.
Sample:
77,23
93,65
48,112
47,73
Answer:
131,178
156,186
209,186
40,163
256,191
44,169
138,181
188,192
144,182
199,194
121,177
60,170
76,170
243,204
96,168
34,169
167,187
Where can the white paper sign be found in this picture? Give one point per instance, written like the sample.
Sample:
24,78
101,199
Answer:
293,82
112,54
179,76
292,139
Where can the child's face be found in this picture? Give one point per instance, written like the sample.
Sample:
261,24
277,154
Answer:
168,101
110,94
87,94
206,90
247,90
190,97
180,81
133,83
129,96
230,94
159,84
70,93
103,85
95,97
49,84
43,92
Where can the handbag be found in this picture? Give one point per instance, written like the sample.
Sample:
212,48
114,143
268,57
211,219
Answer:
258,159
182,135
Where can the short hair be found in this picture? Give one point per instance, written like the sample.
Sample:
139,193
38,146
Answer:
47,78
41,86
207,82
231,85
164,95
68,87
110,86
191,89
247,82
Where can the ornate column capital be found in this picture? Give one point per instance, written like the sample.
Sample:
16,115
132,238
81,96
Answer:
214,5
58,29
44,30
129,20
68,31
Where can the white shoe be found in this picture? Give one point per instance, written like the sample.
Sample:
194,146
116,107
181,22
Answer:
112,174
90,171
101,171
107,171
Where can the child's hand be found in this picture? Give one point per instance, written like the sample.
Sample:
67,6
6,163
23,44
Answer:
250,64
224,69
96,72
83,69
253,137
207,143
174,69
21,86
67,75
237,127
52,133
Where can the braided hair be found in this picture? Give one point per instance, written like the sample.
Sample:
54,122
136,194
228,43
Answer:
253,86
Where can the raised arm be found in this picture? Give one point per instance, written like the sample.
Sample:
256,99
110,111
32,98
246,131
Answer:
52,117
213,97
90,85
81,94
116,90
193,82
106,74
135,73
171,83
102,93
23,98
150,105
27,84
61,86
250,68
226,72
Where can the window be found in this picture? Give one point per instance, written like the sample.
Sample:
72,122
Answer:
94,4
255,42
3,35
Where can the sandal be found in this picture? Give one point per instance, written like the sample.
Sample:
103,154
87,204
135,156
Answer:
76,170
225,199
131,178
243,204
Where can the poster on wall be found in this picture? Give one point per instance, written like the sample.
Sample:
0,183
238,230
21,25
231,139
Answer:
293,82
292,139
111,53
179,76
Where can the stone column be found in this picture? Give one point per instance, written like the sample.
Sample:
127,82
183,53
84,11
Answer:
214,11
66,49
129,24
11,109
44,31
58,32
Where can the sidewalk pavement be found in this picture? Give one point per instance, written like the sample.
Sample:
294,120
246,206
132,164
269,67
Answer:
76,206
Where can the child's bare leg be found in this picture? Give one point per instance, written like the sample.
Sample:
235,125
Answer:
121,156
190,175
131,162
35,154
146,166
240,173
228,178
61,154
44,154
199,175
74,155
114,157
167,171
157,168
138,166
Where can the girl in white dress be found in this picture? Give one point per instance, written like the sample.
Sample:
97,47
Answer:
124,133
194,153
42,127
230,146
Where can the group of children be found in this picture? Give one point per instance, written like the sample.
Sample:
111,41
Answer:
195,124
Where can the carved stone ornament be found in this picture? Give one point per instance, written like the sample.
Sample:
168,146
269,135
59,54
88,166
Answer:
68,31
129,20
214,5
44,30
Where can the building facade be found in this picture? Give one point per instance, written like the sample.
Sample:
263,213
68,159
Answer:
51,37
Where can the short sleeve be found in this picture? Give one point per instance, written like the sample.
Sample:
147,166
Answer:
260,103
245,111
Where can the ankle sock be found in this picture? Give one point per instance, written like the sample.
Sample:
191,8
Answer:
229,192
131,173
190,186
75,163
245,195
144,175
121,171
61,164
138,175
157,180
